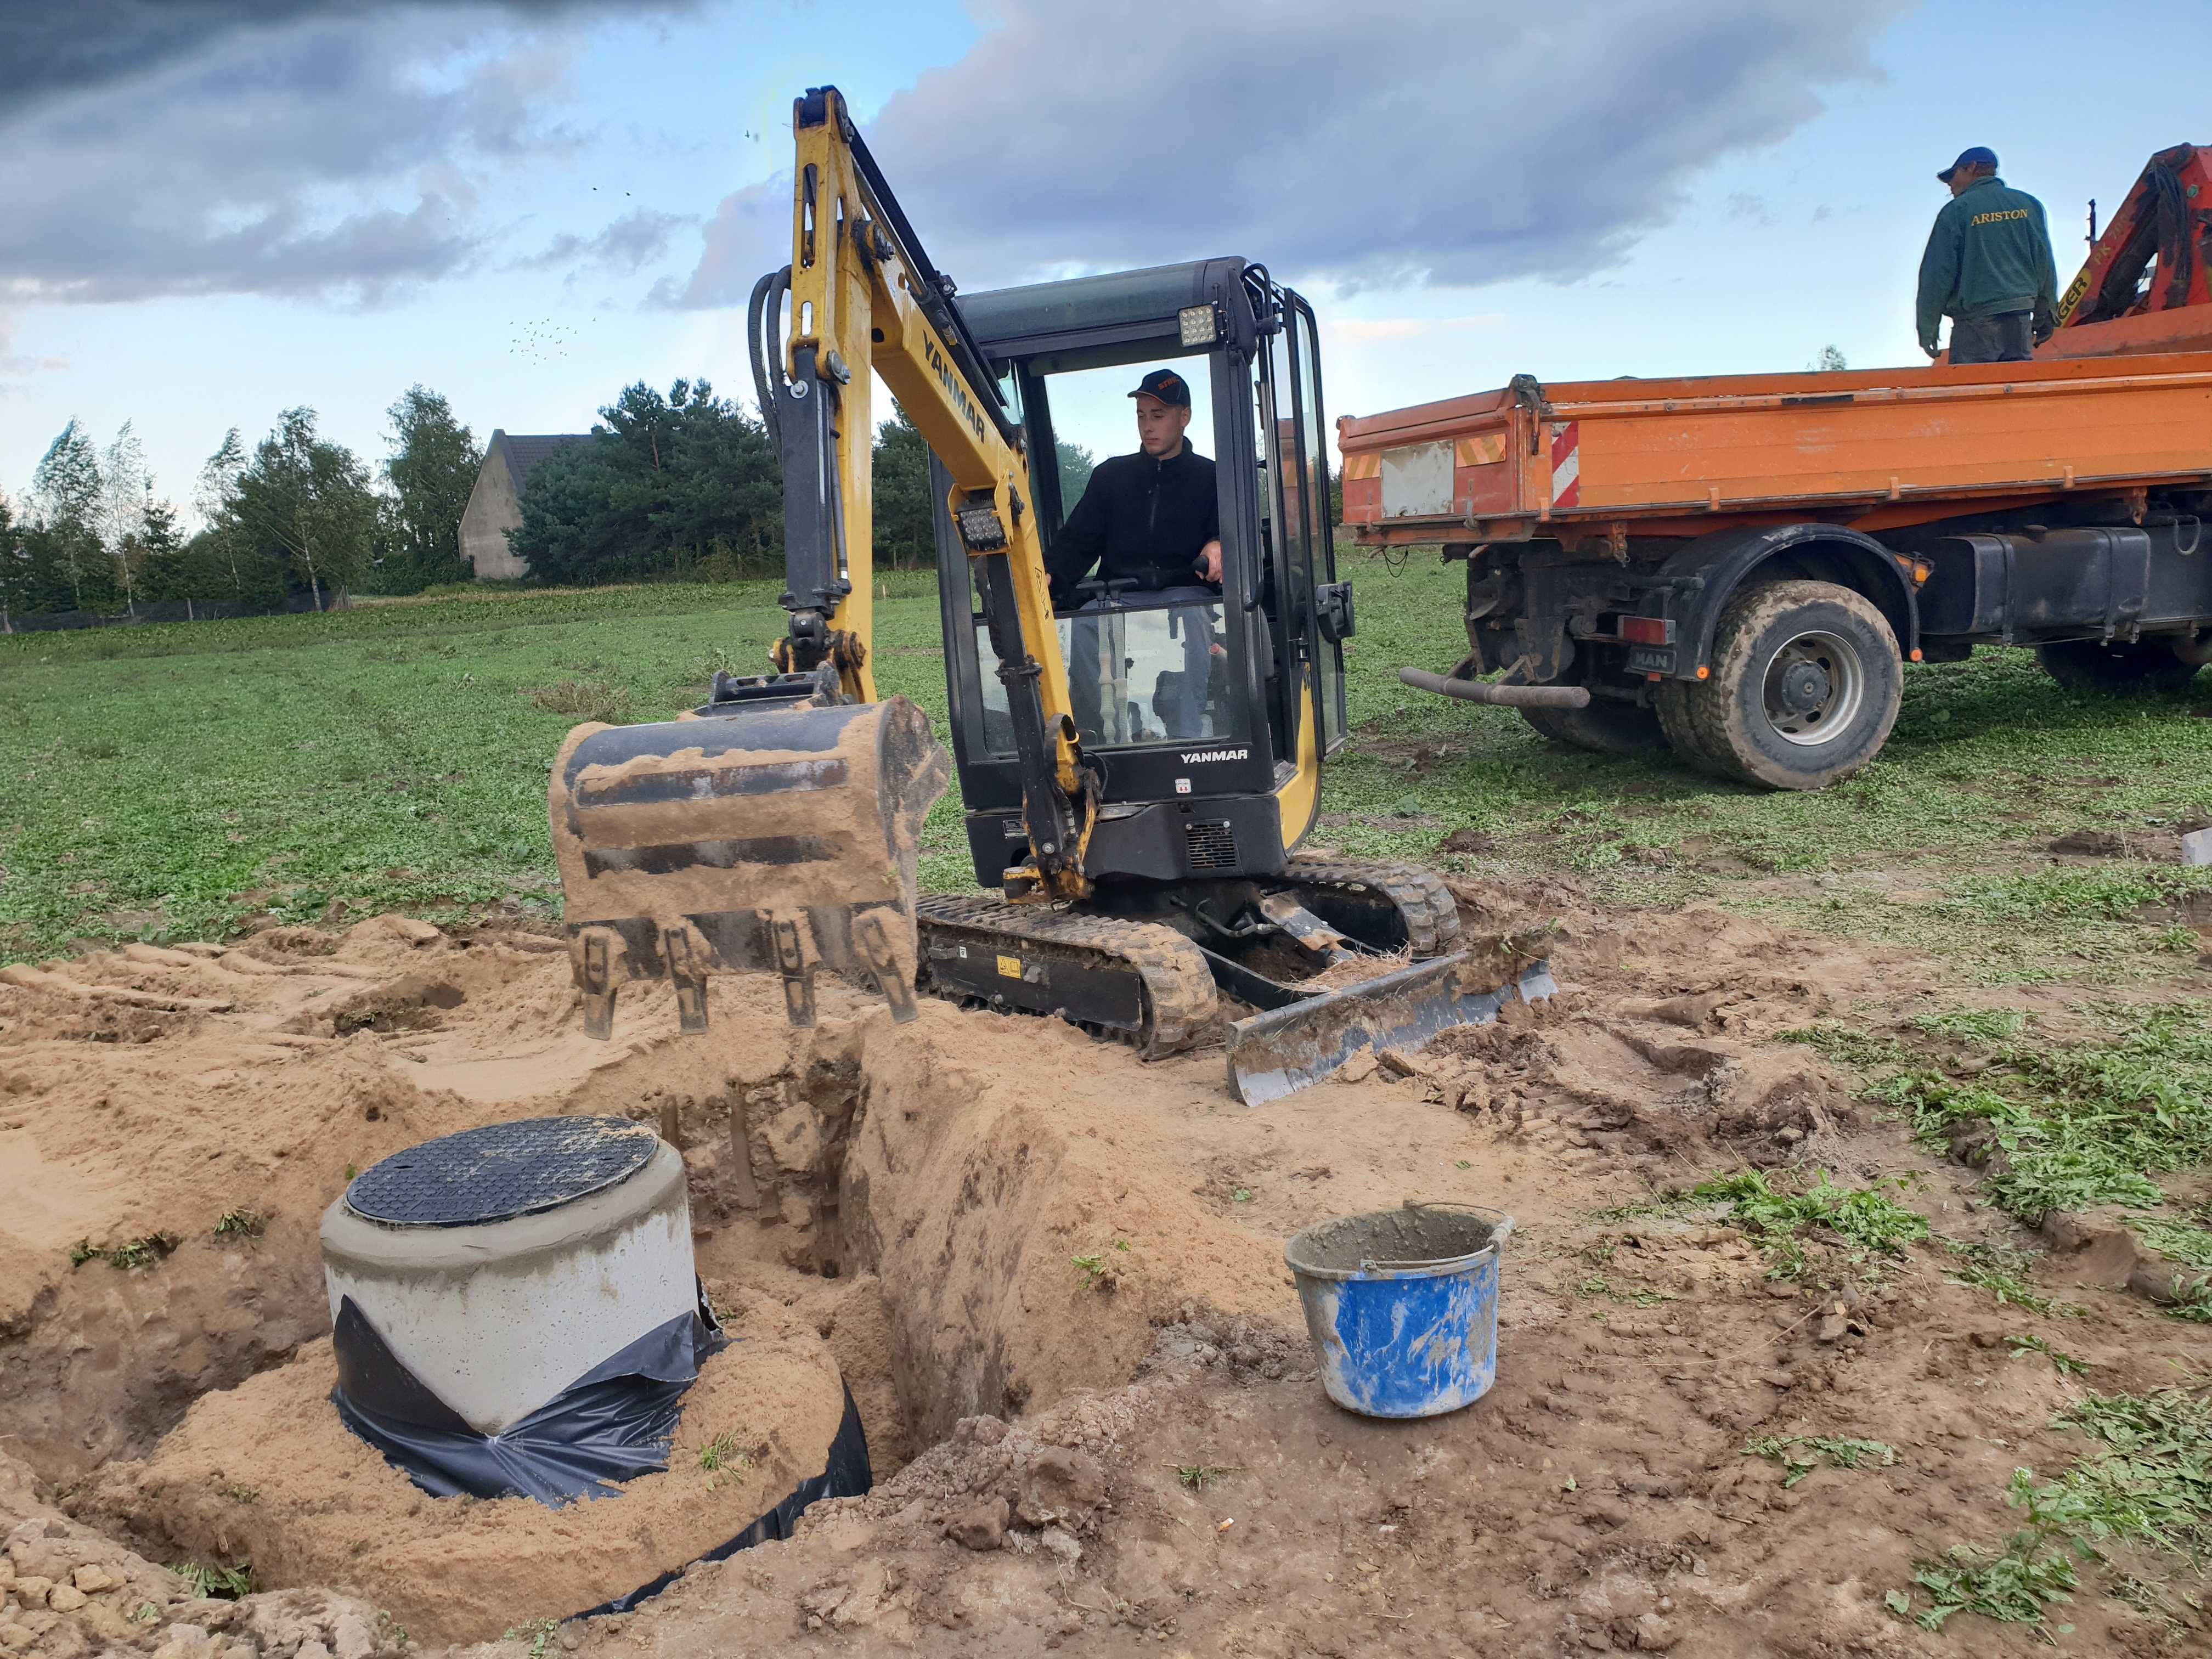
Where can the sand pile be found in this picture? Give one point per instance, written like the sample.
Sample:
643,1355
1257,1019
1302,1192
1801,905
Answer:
267,1473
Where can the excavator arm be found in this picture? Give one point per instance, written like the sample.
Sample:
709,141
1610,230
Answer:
862,294
775,829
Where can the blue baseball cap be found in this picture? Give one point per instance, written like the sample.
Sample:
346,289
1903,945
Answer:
1981,155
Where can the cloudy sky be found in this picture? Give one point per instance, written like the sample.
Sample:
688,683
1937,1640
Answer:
212,210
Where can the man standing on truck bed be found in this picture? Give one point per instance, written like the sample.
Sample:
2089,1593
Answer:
1988,267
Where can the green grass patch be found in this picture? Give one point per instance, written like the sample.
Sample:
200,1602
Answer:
2174,1239
392,756
1598,1286
2147,1480
1999,1271
2061,1361
2085,1125
219,1583
1975,1025
1837,1451
1847,1046
725,1452
1197,1477
2014,1587
128,1256
1865,1222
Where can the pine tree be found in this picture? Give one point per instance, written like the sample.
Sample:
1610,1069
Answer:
164,574
905,516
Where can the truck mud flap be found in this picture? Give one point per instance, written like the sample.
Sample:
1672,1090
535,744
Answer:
1286,1049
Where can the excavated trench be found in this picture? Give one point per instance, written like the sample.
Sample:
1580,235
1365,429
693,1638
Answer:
892,1208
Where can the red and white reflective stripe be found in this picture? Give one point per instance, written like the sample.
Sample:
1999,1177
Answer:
1566,462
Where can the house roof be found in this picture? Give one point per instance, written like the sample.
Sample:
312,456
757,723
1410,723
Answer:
525,450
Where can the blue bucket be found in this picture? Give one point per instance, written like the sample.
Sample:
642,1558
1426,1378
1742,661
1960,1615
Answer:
1402,1306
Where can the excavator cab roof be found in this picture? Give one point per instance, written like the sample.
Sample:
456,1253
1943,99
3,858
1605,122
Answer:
1122,306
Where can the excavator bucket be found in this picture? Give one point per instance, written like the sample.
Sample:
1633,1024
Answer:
773,835
1284,1049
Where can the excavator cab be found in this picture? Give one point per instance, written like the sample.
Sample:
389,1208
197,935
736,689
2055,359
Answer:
1207,714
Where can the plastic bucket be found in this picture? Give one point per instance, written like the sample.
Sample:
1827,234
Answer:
1402,1306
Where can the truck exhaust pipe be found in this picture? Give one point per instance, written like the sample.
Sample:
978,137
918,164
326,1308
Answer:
1506,696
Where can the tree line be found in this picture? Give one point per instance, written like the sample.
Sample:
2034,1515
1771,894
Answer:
688,485
295,522
683,484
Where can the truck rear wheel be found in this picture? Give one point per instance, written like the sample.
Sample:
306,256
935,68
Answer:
2142,668
1805,687
1605,726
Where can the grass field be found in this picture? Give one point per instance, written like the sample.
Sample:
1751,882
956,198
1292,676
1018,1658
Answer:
171,781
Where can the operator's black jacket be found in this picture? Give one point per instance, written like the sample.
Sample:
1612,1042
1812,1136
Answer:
1139,520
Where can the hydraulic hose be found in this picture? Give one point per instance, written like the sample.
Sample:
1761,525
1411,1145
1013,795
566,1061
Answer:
764,314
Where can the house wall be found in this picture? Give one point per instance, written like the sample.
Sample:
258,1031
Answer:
491,513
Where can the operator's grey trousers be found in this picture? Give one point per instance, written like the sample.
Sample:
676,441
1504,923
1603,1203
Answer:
2004,339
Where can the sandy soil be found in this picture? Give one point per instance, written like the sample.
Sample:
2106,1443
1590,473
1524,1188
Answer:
1053,1277
265,1471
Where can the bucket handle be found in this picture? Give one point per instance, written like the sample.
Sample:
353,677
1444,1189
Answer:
1499,1234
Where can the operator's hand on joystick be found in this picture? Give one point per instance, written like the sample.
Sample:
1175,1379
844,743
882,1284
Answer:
1208,562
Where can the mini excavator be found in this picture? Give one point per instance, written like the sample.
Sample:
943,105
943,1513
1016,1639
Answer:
1138,815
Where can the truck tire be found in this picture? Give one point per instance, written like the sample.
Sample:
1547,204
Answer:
1605,726
2144,668
1805,687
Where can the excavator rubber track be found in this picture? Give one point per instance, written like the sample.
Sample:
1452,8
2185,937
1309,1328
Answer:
1137,981
1422,901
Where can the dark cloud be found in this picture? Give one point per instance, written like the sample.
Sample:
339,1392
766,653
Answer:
1446,141
301,147
57,49
630,242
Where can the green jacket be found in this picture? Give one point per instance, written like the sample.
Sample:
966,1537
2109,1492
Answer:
1989,253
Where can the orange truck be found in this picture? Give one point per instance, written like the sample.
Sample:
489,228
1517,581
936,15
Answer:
1738,566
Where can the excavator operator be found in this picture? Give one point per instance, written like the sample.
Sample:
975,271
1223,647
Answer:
1151,525
1150,518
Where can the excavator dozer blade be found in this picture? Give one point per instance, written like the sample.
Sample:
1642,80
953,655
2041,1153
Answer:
768,836
1286,1049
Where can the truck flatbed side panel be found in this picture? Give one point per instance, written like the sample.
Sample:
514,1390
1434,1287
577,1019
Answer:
1621,450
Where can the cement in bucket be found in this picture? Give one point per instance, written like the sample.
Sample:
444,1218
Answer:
1402,1305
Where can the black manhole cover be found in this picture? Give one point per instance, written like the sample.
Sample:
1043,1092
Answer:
501,1170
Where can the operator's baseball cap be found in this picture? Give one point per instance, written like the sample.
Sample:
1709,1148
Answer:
1166,384
1981,155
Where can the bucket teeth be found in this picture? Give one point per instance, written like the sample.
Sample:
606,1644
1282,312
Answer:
796,966
893,979
687,957
775,834
595,957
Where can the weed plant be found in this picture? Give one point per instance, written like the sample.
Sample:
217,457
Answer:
1866,1222
2085,1125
